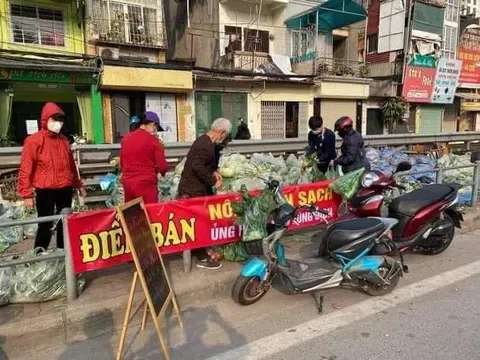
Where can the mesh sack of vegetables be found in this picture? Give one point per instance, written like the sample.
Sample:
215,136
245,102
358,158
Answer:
42,280
6,285
12,234
30,230
347,184
254,211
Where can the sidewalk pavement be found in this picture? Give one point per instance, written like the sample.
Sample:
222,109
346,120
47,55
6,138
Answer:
102,305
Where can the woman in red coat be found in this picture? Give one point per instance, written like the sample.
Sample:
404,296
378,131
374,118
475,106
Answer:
48,173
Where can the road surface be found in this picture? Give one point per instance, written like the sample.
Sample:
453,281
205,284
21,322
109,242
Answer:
434,314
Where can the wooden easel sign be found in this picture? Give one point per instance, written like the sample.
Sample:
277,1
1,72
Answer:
150,269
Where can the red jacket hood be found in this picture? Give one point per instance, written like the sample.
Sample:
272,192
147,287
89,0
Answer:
49,109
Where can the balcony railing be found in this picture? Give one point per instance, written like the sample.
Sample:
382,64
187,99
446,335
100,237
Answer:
243,60
132,25
326,67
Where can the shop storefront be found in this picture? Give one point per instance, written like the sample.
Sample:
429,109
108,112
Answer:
24,91
129,91
336,98
469,119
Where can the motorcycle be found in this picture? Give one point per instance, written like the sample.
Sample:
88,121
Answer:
353,268
427,217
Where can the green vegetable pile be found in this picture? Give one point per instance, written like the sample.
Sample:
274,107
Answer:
254,212
347,185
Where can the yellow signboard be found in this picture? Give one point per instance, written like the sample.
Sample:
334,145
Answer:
146,79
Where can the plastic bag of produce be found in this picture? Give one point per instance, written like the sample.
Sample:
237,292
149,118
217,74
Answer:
347,184
372,155
116,195
331,173
30,230
107,181
180,166
234,252
6,285
12,234
41,281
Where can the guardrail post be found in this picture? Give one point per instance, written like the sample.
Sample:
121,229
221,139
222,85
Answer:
69,273
187,261
438,177
476,179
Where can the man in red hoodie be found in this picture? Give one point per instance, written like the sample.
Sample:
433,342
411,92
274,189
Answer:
48,173
142,158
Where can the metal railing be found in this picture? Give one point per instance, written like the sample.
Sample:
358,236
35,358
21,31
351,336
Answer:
341,67
67,256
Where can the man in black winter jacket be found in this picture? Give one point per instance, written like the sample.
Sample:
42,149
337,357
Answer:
322,142
352,150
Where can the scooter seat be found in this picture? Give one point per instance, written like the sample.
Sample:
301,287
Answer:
344,232
309,269
412,202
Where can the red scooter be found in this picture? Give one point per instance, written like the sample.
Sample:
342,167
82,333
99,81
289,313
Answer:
426,217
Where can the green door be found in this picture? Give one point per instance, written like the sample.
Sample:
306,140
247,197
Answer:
208,107
431,118
211,106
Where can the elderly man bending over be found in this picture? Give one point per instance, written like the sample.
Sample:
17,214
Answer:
199,175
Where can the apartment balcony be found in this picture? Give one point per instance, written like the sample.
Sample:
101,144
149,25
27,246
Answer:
244,60
330,67
127,24
268,3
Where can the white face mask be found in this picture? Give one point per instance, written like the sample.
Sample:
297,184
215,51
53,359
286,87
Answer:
316,132
54,126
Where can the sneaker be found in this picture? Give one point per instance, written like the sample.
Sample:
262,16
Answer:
209,264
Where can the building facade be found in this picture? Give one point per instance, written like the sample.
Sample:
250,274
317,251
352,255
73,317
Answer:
41,59
129,36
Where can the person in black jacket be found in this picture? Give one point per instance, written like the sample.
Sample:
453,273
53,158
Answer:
243,133
218,153
352,150
322,142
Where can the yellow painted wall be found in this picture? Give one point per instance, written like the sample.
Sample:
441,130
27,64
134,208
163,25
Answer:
275,92
342,90
74,40
146,79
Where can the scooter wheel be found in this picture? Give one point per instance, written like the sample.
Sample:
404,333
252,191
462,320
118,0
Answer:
379,290
248,290
437,246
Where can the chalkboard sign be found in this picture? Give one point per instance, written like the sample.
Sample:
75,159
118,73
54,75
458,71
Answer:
150,270
145,254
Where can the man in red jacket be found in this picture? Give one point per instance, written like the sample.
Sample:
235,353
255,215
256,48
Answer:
48,173
142,158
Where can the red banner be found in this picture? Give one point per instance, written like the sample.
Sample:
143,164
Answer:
418,84
97,240
469,52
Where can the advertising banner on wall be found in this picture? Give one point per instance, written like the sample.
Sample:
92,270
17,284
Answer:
469,52
419,78
446,81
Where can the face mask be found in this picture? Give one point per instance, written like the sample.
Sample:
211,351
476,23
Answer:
316,132
54,126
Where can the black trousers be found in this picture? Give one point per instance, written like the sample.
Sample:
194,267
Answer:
50,202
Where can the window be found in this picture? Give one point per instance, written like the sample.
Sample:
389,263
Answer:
37,25
256,40
303,42
449,44
372,43
452,10
234,35
133,22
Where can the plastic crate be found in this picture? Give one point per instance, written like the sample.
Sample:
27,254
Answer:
253,247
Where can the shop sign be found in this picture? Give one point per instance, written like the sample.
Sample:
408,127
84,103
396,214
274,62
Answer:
418,84
98,239
469,52
41,76
446,81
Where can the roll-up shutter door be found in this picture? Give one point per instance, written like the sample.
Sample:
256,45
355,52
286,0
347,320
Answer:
431,118
331,110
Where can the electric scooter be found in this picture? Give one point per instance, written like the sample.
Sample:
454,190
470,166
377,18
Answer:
353,268
427,217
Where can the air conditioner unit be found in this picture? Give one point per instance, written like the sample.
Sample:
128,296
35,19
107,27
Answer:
108,53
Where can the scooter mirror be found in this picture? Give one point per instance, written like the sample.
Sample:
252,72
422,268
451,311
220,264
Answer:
403,166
